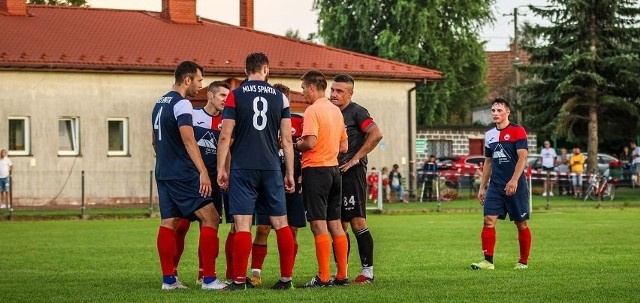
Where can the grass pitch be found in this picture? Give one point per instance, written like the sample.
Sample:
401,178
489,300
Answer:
578,255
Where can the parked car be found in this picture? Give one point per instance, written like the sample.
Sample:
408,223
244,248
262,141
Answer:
464,166
603,162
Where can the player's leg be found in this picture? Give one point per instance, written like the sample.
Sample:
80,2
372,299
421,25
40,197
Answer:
353,184
242,199
259,248
181,232
296,217
166,238
494,208
518,208
334,224
209,245
315,186
228,245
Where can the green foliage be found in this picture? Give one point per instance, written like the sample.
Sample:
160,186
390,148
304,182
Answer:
419,258
437,34
59,2
584,74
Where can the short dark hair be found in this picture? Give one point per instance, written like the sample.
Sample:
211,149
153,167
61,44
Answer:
213,86
285,90
502,101
187,69
344,78
255,61
315,78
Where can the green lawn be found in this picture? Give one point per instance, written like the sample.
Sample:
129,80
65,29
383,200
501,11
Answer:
578,255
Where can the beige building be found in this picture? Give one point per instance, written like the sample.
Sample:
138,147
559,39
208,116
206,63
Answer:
79,84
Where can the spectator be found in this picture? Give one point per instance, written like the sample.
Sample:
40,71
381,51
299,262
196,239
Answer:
396,182
430,172
548,156
625,158
635,163
385,183
562,167
576,163
372,181
6,167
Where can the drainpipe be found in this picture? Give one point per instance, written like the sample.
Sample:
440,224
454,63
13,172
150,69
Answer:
411,140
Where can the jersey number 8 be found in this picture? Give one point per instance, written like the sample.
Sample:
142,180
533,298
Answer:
259,113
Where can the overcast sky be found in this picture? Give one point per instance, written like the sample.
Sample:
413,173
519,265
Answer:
276,16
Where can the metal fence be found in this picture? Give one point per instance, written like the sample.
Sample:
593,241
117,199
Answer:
81,192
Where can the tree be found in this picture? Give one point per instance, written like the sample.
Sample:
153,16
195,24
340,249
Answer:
59,2
584,78
437,34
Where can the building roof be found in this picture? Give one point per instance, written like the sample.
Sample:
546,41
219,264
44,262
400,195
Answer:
110,40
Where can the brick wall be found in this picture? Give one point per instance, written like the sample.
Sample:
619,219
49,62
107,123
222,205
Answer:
459,139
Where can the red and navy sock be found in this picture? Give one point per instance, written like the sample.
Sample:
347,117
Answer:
228,252
166,243
208,247
241,252
181,233
524,239
286,249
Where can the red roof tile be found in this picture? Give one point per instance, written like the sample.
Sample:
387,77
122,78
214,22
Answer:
66,38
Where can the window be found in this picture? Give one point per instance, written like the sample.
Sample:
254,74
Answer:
439,148
68,136
118,129
19,136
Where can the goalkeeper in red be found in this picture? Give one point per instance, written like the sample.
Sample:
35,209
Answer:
505,149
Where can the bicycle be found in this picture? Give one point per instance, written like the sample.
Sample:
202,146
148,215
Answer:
600,186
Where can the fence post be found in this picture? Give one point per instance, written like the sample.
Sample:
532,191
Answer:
10,206
150,193
82,195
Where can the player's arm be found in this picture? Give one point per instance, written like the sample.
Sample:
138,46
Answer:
189,140
306,143
287,149
522,162
224,143
373,135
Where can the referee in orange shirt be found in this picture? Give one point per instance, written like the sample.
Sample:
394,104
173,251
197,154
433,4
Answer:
323,136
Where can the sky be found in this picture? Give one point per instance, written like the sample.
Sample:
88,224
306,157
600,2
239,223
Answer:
277,16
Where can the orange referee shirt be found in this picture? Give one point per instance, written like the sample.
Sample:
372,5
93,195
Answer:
323,120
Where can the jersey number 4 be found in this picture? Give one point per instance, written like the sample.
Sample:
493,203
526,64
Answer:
259,113
156,123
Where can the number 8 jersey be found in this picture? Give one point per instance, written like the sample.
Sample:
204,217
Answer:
257,109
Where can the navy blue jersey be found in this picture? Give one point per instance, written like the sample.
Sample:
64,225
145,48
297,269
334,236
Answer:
206,129
257,109
502,146
357,121
172,160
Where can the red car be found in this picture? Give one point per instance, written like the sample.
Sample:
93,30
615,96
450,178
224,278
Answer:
465,166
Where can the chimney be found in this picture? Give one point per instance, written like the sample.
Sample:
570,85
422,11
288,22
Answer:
246,13
13,7
179,11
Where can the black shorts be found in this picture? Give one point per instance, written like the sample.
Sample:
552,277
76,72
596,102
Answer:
548,168
321,192
296,216
354,189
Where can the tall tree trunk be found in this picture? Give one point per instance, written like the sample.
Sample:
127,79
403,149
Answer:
592,159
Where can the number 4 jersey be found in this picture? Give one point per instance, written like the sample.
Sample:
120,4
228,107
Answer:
172,160
257,109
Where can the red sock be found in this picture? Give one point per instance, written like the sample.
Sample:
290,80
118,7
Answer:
488,240
524,238
228,252
208,247
181,233
286,249
166,243
258,253
241,252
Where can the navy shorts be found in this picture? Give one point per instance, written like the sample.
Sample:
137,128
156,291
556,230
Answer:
246,184
497,203
180,198
296,215
354,193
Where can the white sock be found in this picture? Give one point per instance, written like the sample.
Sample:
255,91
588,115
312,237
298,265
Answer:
367,271
256,272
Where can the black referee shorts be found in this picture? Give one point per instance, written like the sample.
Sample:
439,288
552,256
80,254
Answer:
321,192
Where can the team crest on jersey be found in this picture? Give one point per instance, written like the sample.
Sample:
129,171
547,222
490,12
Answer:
500,154
209,142
507,137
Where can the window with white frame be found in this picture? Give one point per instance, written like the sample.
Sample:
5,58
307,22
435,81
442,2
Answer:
118,129
68,136
19,136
